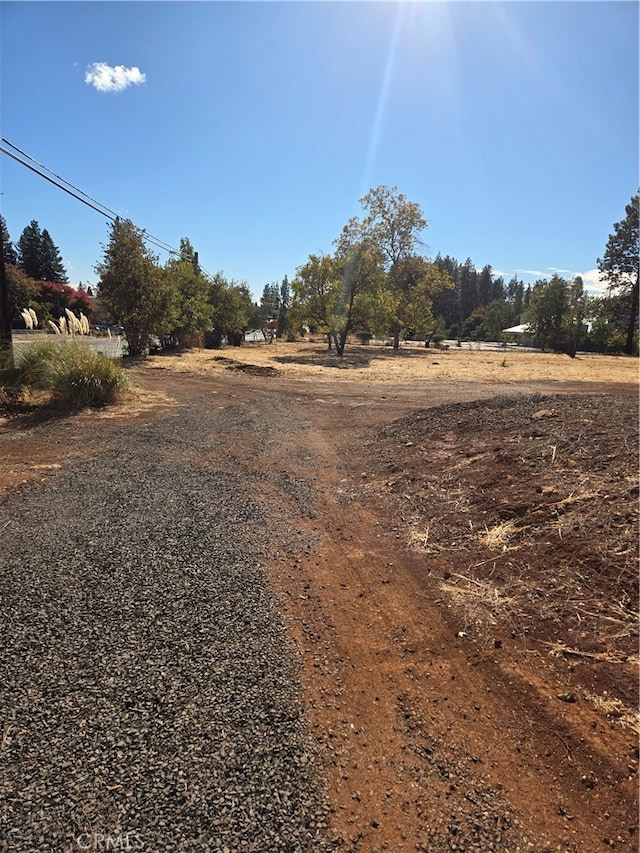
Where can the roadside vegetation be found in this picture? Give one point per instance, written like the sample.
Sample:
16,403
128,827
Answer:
377,282
69,373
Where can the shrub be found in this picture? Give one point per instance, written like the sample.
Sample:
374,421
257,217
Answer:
35,364
75,374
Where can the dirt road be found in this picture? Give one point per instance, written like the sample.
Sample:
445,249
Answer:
441,727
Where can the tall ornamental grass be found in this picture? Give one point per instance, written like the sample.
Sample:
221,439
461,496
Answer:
76,376
35,364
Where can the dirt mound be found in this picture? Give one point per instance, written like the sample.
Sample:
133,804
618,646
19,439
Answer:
244,367
526,512
254,369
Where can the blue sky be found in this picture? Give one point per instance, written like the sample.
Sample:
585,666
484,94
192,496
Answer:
255,128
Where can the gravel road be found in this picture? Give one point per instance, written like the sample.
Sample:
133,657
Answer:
148,689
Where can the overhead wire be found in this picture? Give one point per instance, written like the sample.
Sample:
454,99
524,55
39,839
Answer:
55,183
59,178
86,199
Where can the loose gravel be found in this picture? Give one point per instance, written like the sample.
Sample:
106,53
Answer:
148,689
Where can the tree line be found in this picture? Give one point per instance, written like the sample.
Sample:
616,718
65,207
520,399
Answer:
36,277
175,302
376,282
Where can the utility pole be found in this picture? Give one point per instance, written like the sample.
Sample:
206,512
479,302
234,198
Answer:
6,343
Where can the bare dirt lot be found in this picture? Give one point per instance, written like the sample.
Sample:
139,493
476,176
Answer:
467,619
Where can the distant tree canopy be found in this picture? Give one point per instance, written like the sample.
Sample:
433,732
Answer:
556,314
272,314
399,293
377,281
37,256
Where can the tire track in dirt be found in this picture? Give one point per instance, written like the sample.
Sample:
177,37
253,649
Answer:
419,731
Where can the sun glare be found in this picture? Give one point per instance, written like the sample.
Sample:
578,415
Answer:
421,54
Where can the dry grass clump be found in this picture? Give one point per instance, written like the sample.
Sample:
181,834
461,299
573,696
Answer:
615,709
499,536
35,364
481,602
418,540
74,374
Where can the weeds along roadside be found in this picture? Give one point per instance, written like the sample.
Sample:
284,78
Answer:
71,373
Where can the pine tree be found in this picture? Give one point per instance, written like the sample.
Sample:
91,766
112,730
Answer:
29,251
8,249
484,286
285,293
52,268
468,289
38,256
283,314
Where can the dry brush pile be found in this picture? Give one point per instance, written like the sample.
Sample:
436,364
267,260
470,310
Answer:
525,509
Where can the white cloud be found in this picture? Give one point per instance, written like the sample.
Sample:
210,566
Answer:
537,273
593,283
109,78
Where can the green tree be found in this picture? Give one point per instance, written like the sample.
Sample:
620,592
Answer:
485,285
549,303
29,251
134,288
23,292
359,279
51,266
269,306
574,319
472,327
556,313
38,256
497,316
447,304
188,253
393,224
334,295
607,317
414,283
10,255
193,307
285,303
620,266
469,300
313,293
232,310
515,295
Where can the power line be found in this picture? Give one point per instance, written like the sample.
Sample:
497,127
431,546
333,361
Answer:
55,183
46,168
80,195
